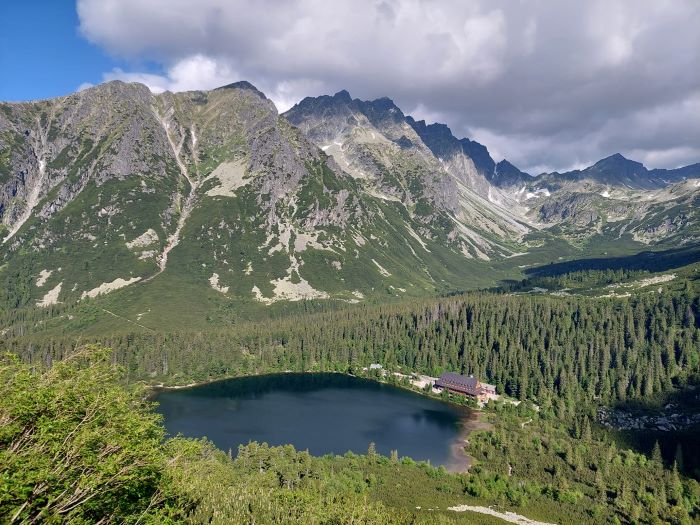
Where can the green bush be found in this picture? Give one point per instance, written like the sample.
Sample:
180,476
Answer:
75,446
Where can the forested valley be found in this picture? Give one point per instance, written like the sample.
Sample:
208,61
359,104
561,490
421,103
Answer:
563,357
531,347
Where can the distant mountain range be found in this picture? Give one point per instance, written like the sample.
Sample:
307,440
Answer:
115,191
616,170
616,197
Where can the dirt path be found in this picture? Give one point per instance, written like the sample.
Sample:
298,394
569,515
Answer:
126,319
510,517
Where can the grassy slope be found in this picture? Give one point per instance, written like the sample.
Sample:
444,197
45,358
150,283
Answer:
182,299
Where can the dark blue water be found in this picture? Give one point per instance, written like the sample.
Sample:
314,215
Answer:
324,413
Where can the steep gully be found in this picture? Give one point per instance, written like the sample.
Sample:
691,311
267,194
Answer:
41,152
189,202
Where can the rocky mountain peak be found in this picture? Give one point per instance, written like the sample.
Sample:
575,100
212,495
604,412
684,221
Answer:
381,111
506,174
435,130
115,89
616,170
618,162
382,104
342,96
243,85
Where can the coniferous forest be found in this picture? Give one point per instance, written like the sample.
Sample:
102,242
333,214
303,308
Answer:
565,358
537,348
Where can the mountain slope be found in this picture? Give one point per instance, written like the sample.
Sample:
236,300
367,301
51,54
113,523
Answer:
211,194
200,207
376,143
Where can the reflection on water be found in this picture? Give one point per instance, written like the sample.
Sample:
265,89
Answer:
324,413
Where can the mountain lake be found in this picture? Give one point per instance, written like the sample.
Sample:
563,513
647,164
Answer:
324,413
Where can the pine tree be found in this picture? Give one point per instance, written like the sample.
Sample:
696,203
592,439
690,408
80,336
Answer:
661,497
678,458
600,485
674,485
622,498
586,433
656,454
689,318
372,450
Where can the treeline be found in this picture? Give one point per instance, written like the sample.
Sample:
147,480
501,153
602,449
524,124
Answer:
574,280
536,348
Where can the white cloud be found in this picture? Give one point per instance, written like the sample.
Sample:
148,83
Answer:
667,158
202,73
551,83
196,72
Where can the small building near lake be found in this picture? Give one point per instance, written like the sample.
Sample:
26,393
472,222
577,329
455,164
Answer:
466,386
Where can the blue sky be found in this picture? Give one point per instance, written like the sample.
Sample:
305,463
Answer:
43,54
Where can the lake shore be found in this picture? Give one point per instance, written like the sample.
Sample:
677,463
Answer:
460,461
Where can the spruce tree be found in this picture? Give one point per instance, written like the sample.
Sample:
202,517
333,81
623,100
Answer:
656,454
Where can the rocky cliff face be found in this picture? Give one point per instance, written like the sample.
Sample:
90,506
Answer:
53,149
115,188
507,175
423,167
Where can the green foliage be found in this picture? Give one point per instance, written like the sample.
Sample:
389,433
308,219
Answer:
547,458
74,445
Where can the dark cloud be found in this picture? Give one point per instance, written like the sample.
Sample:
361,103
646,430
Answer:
549,85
